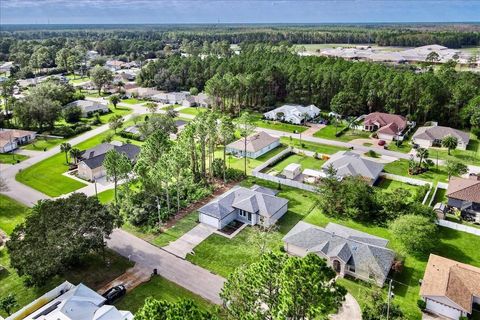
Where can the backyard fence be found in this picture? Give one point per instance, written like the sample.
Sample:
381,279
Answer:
440,185
272,160
459,227
408,180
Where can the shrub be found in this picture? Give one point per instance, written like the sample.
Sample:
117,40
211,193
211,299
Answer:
63,131
421,304
72,114
417,234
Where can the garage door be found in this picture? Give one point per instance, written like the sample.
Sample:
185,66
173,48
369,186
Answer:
443,310
211,221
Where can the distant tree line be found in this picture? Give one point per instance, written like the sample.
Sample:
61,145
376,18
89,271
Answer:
262,76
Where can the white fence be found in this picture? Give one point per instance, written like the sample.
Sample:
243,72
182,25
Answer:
459,227
271,160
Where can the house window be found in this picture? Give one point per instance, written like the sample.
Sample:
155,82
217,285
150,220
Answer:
249,216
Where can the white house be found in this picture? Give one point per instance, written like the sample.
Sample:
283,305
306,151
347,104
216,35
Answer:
89,107
450,288
257,145
256,205
293,113
70,302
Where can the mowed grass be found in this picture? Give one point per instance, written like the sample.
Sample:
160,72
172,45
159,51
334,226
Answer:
12,158
12,213
329,132
276,125
160,289
453,244
311,146
388,185
305,161
41,144
161,239
400,167
132,101
191,111
47,176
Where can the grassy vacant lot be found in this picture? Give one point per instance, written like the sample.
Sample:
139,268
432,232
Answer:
276,125
304,161
400,167
11,158
161,289
164,238
453,244
40,144
311,146
469,156
329,131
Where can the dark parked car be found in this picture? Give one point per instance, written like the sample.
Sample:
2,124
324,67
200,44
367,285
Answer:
114,293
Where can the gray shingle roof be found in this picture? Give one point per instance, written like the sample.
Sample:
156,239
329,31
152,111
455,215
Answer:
255,142
93,157
351,164
255,200
432,133
88,106
356,248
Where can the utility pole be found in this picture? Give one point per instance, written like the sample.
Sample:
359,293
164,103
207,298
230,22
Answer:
389,296
96,192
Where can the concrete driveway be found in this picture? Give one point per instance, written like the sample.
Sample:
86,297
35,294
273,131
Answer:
350,310
186,243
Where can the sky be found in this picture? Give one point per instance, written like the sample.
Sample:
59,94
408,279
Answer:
235,11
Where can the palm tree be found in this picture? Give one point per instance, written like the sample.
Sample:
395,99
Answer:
422,154
65,147
75,154
114,100
450,142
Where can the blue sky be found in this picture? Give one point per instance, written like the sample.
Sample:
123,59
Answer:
236,11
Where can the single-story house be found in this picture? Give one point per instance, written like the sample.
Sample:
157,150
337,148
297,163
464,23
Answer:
90,165
347,163
293,113
292,170
464,194
4,68
257,145
203,100
142,92
449,287
89,107
256,205
92,54
115,64
347,251
10,139
432,136
189,101
388,126
71,302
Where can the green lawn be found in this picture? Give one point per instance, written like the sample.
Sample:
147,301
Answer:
276,125
13,213
400,167
453,244
46,176
440,196
469,156
239,163
92,271
121,111
132,101
11,158
77,79
222,255
329,131
388,185
311,146
106,196
161,289
305,161
40,144
164,238
191,111
404,147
